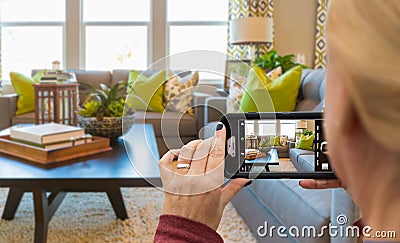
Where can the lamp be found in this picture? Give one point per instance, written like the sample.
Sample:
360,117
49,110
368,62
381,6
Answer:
300,127
301,124
251,31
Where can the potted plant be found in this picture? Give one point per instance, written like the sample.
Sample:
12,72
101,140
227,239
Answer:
104,112
264,144
270,60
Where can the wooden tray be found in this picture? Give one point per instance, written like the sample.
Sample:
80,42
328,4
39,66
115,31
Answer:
46,156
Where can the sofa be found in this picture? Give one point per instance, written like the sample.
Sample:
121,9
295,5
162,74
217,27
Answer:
302,159
188,126
277,203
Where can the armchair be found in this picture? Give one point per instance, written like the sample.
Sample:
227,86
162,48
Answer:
8,106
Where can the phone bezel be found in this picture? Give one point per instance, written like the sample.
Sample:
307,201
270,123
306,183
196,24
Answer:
232,164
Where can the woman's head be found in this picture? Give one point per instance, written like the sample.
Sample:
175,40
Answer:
363,88
364,47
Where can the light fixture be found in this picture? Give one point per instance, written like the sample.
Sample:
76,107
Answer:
300,127
251,31
301,124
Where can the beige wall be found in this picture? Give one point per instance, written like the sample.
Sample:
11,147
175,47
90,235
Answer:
295,26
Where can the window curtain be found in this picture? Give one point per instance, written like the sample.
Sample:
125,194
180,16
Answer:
320,40
249,8
0,52
1,70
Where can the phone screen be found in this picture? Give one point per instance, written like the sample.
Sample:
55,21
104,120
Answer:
282,146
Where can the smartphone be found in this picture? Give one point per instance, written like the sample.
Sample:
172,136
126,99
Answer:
276,145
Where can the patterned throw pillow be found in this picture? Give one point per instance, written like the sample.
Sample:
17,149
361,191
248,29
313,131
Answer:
236,90
275,73
283,140
178,93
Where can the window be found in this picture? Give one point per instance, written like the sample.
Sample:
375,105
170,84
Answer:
261,127
116,34
288,128
197,25
30,40
106,35
267,127
271,127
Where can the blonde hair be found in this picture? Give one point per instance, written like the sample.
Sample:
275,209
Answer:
364,38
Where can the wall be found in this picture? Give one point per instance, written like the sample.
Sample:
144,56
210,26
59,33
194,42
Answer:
295,26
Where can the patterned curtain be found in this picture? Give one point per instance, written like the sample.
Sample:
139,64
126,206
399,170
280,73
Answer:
0,49
249,8
320,41
1,70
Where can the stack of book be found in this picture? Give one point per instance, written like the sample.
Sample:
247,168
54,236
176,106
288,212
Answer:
55,76
50,135
49,76
251,154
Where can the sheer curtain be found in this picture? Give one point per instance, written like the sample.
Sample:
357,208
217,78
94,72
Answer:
249,8
320,40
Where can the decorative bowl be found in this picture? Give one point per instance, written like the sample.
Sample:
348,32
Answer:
109,127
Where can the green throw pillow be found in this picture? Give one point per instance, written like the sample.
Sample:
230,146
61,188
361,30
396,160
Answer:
265,95
23,87
146,93
306,142
274,140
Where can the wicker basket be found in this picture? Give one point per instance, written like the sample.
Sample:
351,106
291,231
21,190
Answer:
109,127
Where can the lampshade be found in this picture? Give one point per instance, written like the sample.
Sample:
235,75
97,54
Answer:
250,30
301,124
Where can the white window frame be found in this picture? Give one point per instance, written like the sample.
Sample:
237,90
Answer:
28,24
74,27
172,23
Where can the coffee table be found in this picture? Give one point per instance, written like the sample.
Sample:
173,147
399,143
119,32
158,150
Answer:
263,161
105,172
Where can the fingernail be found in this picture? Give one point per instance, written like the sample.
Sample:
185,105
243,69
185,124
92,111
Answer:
219,126
248,183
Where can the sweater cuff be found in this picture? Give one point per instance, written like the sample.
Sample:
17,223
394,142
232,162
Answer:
173,228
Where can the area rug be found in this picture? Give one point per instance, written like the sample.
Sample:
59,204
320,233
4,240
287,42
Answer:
285,164
88,217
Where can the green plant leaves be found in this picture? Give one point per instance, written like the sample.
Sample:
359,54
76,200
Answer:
106,101
90,108
270,60
307,132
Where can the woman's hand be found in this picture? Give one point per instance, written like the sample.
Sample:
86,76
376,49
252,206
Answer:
193,184
321,184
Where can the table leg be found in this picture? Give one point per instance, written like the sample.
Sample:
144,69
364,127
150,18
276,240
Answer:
117,202
13,200
44,211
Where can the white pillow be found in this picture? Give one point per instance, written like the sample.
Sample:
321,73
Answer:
275,73
236,90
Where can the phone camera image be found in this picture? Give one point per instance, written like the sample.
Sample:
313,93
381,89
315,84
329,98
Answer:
276,145
283,146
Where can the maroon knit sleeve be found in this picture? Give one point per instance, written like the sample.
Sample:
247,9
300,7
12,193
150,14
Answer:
173,228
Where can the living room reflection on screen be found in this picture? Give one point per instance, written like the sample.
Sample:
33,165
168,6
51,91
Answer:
280,146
